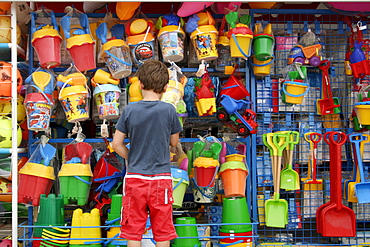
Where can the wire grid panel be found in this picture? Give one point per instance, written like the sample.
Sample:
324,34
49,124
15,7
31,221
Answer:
273,115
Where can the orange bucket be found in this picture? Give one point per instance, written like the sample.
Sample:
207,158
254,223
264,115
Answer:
233,175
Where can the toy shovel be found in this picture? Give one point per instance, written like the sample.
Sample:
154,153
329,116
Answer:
84,151
232,18
327,105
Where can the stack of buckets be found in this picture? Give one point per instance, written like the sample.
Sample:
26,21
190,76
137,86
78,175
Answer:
55,237
171,38
80,44
106,95
46,41
205,37
180,180
141,40
74,96
37,176
235,209
51,213
85,225
39,101
263,47
113,220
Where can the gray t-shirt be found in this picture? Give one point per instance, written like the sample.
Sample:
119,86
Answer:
149,125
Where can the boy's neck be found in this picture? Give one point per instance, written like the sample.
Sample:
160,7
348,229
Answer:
150,95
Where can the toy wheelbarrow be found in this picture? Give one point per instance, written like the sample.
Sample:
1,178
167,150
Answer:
327,105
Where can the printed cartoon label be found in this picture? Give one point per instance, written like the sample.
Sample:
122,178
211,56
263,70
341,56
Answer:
172,43
38,115
75,107
142,52
108,104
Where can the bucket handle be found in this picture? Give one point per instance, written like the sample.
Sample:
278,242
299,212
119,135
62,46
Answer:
213,179
177,185
231,244
82,180
43,94
262,65
237,44
296,95
118,59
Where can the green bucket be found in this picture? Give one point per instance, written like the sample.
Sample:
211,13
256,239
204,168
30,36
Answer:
74,189
263,45
186,231
235,210
180,181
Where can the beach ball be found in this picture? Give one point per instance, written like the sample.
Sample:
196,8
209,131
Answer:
6,79
6,132
5,31
6,108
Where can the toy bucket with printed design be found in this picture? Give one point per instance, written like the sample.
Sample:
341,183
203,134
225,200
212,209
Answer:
107,100
38,110
116,54
204,39
171,40
142,47
75,102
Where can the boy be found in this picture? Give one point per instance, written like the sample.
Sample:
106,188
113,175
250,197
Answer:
152,125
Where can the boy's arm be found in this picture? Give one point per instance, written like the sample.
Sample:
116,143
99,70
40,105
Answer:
118,144
174,139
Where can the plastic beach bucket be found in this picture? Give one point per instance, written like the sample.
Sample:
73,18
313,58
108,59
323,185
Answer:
363,112
234,237
116,54
82,50
235,210
294,91
263,46
240,41
233,175
186,231
38,110
107,100
74,100
204,39
234,88
205,171
238,243
142,47
34,180
261,68
171,40
75,182
180,180
47,42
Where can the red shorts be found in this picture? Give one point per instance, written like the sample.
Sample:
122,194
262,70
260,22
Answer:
145,195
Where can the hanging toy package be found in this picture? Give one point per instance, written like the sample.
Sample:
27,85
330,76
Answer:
79,42
175,91
308,51
74,94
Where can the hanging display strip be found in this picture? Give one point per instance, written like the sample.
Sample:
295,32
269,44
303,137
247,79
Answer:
311,167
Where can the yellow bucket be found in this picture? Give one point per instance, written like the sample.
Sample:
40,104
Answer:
204,39
240,41
261,68
363,111
74,100
294,91
235,245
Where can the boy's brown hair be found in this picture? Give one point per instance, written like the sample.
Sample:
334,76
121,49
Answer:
153,75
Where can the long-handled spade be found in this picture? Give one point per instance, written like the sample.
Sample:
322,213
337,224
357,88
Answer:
276,208
289,177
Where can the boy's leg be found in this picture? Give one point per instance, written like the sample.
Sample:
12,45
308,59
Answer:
133,243
163,244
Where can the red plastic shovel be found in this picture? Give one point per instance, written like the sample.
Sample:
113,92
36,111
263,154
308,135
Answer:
84,150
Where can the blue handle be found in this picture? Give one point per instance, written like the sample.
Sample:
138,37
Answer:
177,185
261,65
237,44
82,180
295,95
118,59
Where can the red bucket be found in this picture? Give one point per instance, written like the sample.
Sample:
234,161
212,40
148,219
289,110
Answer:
234,89
48,51
83,56
31,187
233,237
103,169
205,176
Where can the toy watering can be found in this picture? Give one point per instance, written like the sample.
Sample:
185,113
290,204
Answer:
80,45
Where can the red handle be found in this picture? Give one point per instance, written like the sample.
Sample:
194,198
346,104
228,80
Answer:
315,138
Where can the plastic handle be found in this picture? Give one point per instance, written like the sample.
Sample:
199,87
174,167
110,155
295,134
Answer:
296,95
281,144
237,44
54,21
43,94
262,65
33,24
118,59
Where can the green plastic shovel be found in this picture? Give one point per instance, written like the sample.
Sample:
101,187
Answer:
232,18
